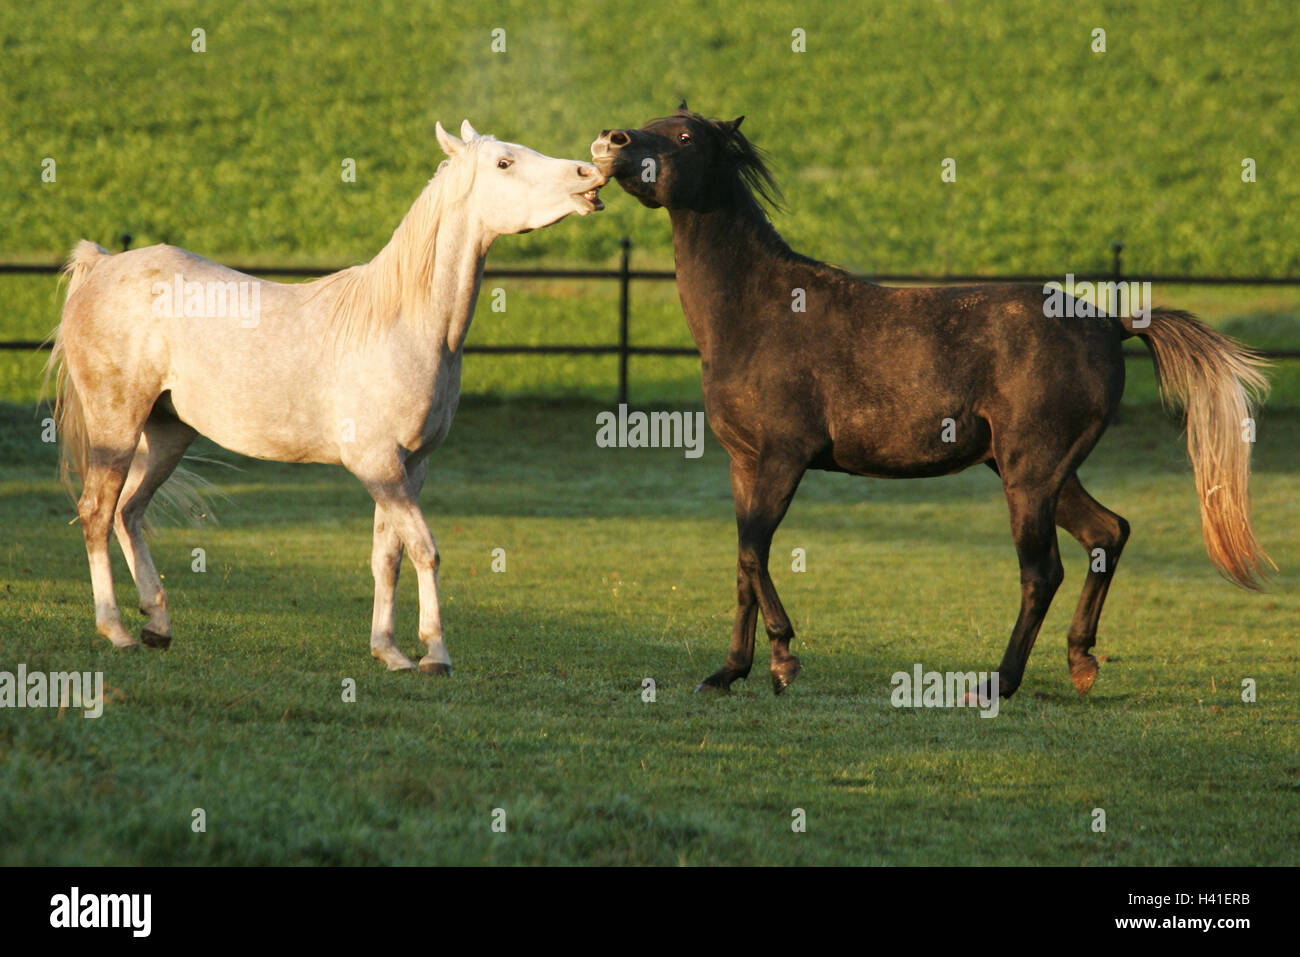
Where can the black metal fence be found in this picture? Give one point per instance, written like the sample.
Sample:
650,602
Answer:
625,274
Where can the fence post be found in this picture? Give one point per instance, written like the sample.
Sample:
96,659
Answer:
1116,249
624,281
125,239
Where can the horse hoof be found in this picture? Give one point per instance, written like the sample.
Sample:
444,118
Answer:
783,678
715,682
394,659
155,640
440,668
981,694
1083,674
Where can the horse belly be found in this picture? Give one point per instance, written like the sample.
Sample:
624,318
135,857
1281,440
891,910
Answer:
262,428
261,401
911,449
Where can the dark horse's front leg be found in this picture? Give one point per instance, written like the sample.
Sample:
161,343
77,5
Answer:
762,489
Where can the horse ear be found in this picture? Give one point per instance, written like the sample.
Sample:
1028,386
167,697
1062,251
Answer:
683,108
735,124
450,145
467,132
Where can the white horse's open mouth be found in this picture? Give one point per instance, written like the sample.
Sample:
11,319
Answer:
592,199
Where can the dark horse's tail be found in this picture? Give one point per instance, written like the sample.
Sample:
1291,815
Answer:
1218,381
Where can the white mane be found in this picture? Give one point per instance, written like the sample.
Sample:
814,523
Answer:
399,280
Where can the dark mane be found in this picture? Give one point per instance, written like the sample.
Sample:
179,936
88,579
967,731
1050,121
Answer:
747,160
755,182
751,165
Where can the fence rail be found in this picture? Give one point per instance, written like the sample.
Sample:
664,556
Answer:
625,275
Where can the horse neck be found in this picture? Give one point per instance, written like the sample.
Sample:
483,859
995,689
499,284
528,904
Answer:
432,266
459,253
718,253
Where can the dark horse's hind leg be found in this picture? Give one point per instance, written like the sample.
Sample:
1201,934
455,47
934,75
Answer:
762,491
1095,527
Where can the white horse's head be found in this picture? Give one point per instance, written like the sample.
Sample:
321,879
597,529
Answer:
517,189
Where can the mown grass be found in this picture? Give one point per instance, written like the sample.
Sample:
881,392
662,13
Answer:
620,567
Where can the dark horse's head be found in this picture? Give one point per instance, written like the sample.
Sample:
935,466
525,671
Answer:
685,161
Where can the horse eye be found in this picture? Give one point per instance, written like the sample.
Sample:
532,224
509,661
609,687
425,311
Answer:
503,163
683,137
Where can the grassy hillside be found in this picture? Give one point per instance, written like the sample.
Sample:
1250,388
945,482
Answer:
1059,150
236,152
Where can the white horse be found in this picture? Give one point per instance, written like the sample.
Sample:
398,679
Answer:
360,368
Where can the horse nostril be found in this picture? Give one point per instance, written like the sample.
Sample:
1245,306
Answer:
585,171
619,138
604,133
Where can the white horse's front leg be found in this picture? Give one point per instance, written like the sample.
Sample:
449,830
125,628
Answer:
422,548
386,563
436,661
399,511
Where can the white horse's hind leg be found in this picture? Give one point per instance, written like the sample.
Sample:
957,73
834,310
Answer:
105,473
160,450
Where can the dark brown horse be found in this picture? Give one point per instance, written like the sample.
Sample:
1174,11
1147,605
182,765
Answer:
806,367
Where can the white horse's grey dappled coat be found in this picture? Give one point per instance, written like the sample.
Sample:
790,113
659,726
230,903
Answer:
360,368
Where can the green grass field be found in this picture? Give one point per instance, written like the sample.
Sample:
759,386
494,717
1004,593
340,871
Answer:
620,563
620,566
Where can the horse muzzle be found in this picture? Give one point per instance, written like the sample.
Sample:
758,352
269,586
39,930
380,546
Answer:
605,150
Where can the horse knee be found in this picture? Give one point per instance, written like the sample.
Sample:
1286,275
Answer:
1042,579
386,556
130,515
93,517
424,555
751,562
384,564
746,577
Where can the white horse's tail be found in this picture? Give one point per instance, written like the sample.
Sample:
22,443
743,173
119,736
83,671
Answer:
69,419
184,492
